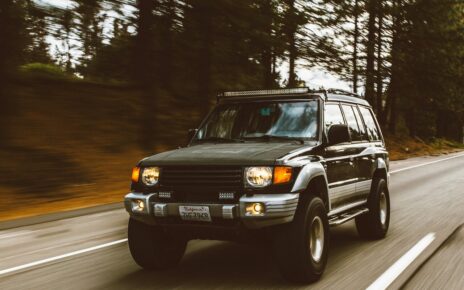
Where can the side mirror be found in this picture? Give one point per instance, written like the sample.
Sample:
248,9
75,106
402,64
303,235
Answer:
338,134
191,134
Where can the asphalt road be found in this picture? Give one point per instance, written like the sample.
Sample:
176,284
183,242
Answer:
427,196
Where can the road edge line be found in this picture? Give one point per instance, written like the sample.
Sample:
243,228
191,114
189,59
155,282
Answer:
424,164
59,257
430,256
395,270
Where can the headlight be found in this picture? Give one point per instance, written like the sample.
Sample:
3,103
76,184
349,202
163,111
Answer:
150,175
258,176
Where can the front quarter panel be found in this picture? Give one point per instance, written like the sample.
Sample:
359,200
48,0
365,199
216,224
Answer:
309,172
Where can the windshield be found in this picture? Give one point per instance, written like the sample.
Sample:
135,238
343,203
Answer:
296,120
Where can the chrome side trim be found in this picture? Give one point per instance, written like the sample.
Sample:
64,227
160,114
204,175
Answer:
363,187
369,151
343,182
342,191
349,206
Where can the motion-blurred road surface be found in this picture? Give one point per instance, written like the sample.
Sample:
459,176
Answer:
89,251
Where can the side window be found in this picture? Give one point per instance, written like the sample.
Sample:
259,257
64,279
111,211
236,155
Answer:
333,115
362,128
352,123
372,129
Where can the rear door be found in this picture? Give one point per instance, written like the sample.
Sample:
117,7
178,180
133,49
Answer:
364,158
360,151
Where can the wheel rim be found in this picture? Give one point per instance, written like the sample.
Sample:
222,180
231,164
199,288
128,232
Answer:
316,239
383,208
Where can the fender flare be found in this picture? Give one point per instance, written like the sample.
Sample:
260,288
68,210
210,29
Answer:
307,173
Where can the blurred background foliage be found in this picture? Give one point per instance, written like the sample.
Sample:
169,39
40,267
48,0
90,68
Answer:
88,87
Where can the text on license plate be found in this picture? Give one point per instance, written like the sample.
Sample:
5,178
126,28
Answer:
194,213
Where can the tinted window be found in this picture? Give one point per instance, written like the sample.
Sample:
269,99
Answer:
352,123
333,115
257,120
362,128
372,129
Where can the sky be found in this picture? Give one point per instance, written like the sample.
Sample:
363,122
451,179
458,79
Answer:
314,78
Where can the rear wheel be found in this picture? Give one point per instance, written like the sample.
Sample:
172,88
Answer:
151,248
301,247
374,224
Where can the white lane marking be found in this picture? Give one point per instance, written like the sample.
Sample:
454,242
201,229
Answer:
424,164
40,262
396,269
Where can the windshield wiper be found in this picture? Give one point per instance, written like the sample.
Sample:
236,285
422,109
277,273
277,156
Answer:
268,137
219,139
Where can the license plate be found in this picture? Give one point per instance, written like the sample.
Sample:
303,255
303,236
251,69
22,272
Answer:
195,213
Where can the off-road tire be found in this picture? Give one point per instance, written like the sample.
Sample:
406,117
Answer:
372,225
153,249
291,242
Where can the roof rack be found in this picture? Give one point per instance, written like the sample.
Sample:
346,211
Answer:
292,91
342,92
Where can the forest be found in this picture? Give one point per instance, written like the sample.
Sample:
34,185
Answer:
405,56
85,79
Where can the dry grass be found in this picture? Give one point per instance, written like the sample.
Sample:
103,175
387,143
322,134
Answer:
407,147
73,145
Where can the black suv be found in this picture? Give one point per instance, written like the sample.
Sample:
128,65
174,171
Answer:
280,164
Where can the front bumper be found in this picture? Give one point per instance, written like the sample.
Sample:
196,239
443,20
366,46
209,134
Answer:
279,209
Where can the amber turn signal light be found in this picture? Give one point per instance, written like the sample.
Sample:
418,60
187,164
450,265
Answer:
135,174
282,174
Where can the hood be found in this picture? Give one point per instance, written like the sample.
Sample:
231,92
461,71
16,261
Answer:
224,154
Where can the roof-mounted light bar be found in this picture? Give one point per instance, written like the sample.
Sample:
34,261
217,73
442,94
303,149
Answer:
293,91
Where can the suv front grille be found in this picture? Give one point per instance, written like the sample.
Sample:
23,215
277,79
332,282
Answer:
202,176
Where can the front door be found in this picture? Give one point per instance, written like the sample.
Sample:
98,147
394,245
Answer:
341,168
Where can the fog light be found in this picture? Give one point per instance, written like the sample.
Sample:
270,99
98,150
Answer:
256,208
138,205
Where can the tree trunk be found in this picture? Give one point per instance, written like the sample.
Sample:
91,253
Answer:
370,71
144,72
292,48
165,68
266,57
380,62
355,46
205,55
143,44
391,117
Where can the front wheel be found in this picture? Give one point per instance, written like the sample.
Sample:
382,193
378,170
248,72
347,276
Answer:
301,247
153,249
374,224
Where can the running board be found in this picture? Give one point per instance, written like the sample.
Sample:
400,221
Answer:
343,218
